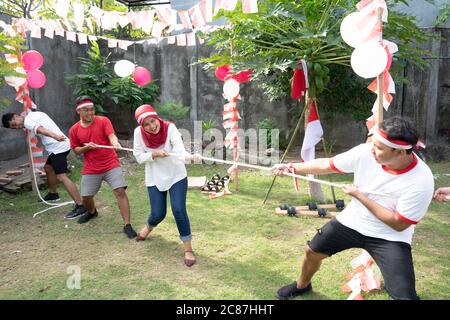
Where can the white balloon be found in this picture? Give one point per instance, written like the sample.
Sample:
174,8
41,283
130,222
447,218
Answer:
369,60
231,89
124,68
356,28
17,81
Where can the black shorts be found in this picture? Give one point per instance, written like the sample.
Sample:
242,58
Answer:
392,257
58,162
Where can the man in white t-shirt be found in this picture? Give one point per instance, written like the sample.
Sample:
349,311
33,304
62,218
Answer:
382,225
58,147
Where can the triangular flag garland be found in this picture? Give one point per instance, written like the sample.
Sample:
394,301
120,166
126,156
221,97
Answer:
194,19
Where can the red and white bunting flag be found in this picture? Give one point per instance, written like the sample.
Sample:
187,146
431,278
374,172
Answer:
249,6
78,14
206,9
123,44
163,15
146,19
112,43
191,39
181,40
313,134
197,16
108,20
185,20
97,14
92,38
49,32
133,18
62,7
71,36
171,40
123,20
230,5
82,38
158,27
36,32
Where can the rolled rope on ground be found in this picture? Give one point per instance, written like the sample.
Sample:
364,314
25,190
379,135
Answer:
52,205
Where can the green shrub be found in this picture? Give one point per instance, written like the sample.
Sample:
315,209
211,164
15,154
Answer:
172,110
97,79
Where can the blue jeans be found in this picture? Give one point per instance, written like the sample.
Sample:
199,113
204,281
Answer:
158,205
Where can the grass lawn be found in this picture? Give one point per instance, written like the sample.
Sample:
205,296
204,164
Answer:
244,250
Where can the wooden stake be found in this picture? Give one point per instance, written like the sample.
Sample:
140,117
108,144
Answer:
294,134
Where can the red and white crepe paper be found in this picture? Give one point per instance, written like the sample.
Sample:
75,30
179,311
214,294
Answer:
363,278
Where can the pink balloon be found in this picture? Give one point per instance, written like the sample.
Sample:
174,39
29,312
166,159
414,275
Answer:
141,76
36,79
222,72
32,60
243,76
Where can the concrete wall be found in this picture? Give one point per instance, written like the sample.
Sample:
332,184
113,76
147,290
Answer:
171,66
425,12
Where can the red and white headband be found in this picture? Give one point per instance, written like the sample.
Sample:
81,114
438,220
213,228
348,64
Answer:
85,104
382,136
145,115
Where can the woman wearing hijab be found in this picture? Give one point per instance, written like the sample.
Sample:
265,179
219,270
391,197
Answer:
158,144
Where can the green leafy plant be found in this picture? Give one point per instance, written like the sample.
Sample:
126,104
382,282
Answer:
172,110
94,77
9,45
125,92
206,125
274,40
97,79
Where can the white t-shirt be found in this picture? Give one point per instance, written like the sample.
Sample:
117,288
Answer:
36,119
411,190
162,172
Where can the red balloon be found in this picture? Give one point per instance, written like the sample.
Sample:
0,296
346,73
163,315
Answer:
36,79
142,76
32,60
223,72
244,76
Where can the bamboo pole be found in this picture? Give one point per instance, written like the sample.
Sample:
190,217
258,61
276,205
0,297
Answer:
291,142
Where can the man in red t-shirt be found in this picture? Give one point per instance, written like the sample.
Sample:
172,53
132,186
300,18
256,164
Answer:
99,163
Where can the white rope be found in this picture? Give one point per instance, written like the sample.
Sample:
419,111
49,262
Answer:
337,185
240,164
52,205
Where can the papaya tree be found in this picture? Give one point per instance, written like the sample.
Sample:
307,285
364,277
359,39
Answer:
273,41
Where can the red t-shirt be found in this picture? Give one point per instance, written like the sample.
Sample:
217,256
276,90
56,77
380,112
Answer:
99,160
